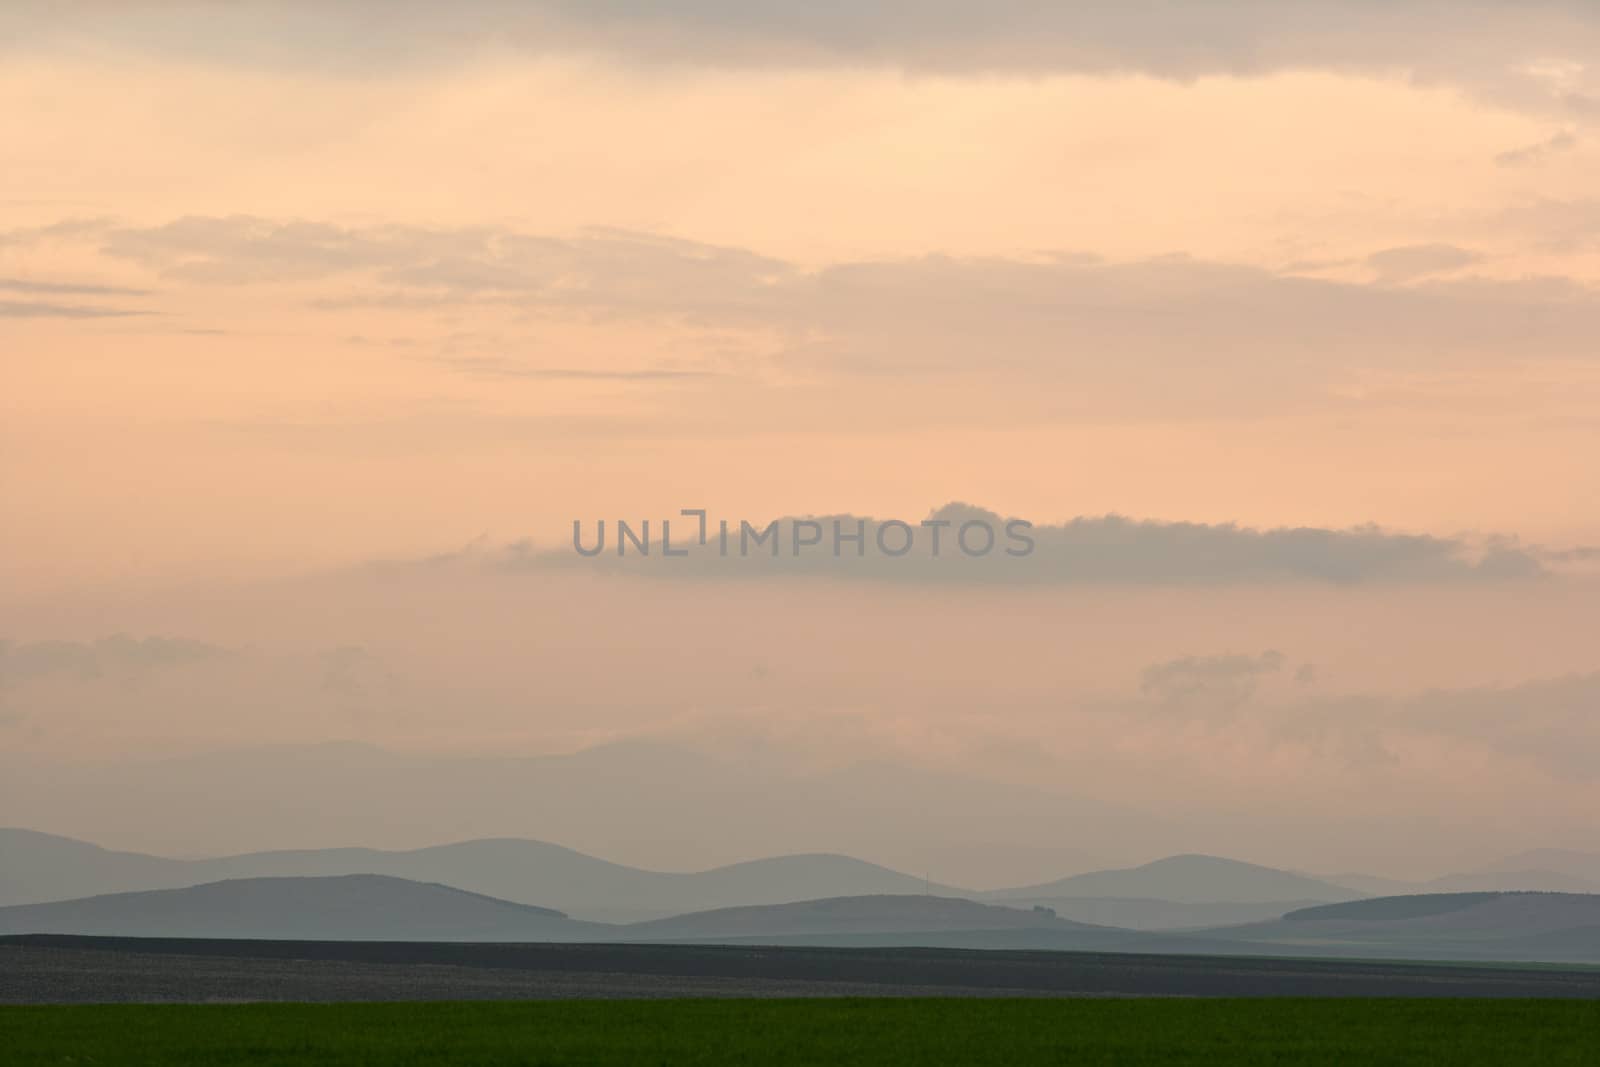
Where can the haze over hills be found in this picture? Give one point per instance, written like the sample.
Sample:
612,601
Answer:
737,808
1570,862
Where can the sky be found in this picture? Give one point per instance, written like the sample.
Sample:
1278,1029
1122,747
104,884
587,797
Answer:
321,324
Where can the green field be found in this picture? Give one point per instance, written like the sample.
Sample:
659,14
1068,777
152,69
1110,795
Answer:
813,1031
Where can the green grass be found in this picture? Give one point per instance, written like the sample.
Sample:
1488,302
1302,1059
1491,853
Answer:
764,1032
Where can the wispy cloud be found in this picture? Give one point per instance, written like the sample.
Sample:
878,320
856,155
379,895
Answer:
1527,155
1408,263
1057,313
31,309
497,367
29,285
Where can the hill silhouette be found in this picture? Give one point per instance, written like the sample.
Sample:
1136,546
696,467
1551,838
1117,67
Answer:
1187,878
1553,927
360,907
858,914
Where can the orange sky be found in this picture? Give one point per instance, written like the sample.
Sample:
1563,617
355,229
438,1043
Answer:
273,312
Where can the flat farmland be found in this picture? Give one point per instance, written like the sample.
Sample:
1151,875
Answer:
824,1031
47,969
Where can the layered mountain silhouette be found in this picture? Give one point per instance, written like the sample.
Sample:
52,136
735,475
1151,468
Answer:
1183,891
508,889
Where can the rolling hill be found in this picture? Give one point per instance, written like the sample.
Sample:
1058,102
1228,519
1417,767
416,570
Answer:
848,915
37,867
1186,879
1550,927
361,907
1139,913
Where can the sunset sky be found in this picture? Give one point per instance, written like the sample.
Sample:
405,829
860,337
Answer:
316,319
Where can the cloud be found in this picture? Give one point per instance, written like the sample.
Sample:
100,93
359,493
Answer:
616,268
1561,226
30,287
29,309
1050,338
115,655
1579,554
1222,682
961,543
1398,265
1053,317
351,671
1500,49
1549,724
497,367
26,285
1528,155
1546,726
